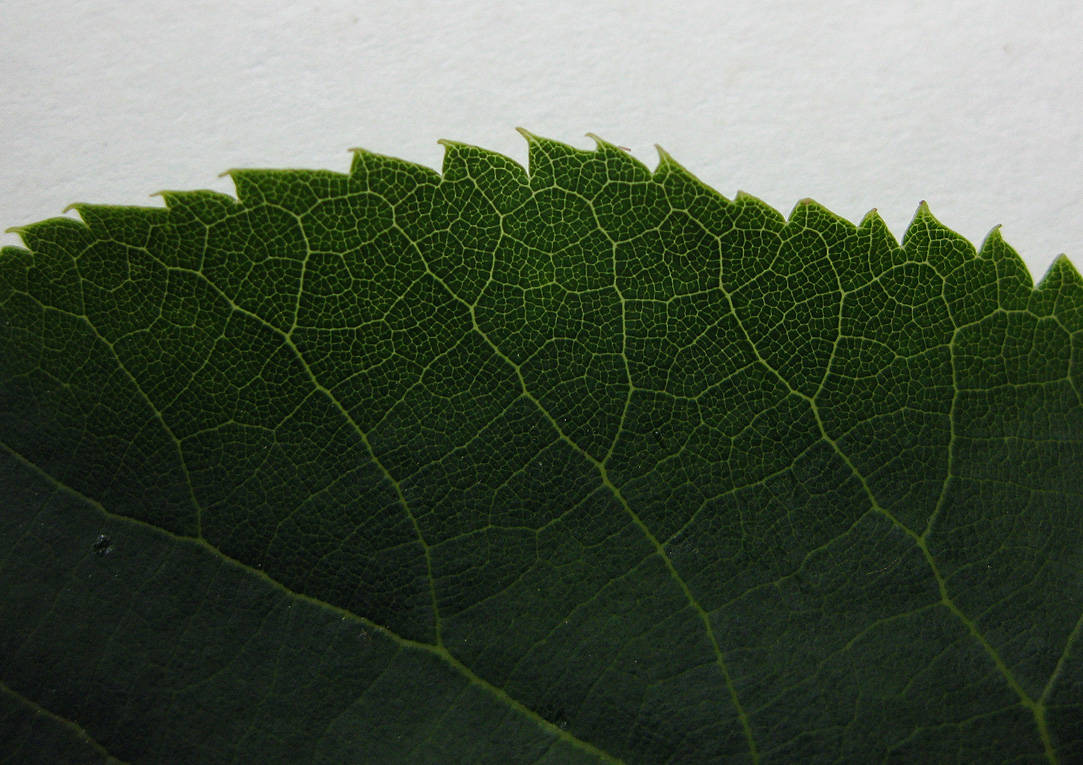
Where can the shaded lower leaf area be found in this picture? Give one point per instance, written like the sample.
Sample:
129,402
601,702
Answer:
174,655
34,735
585,463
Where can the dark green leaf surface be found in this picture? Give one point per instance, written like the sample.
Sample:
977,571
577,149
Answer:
586,464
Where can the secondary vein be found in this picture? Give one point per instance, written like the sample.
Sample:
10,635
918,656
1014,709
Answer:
433,649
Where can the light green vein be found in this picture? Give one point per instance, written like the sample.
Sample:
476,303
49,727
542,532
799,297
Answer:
1062,661
742,716
71,725
287,339
720,660
1036,708
438,651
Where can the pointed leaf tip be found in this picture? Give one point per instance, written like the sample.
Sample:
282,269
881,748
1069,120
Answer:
871,217
530,137
601,143
994,234
923,212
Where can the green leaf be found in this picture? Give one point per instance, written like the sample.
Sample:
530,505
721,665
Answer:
586,464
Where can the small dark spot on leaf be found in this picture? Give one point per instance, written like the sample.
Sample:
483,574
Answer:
554,715
103,545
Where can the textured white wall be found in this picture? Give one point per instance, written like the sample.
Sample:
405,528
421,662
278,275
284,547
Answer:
976,106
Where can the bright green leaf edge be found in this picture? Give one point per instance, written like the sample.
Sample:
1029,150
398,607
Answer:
1061,278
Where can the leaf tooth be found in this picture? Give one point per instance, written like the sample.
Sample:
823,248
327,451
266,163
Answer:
463,160
930,241
175,200
57,227
1063,268
808,213
245,185
992,240
355,150
370,168
96,216
996,248
873,223
620,155
803,210
451,143
1060,294
744,199
100,217
922,221
667,165
871,218
685,190
363,158
808,207
1014,281
543,154
526,134
666,160
14,251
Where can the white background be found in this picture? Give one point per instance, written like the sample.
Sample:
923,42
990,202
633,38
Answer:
976,107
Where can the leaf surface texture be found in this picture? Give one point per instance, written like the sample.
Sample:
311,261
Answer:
582,464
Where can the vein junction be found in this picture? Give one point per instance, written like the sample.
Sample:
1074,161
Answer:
541,426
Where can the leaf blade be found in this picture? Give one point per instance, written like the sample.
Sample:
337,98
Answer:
653,467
